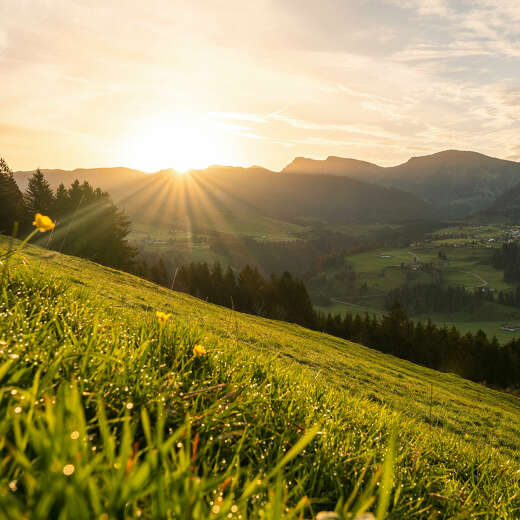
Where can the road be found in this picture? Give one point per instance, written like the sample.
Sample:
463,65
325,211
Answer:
484,282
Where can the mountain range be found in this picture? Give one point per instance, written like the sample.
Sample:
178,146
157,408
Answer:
337,190
206,196
456,182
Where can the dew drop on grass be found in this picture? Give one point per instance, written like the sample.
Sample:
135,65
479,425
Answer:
68,469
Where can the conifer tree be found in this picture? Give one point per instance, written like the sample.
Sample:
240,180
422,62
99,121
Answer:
38,196
61,201
12,208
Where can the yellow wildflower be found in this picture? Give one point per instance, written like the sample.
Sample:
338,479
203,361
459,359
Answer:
163,317
198,350
43,223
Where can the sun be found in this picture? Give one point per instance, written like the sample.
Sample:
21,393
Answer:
181,145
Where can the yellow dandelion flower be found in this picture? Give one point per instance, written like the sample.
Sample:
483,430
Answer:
43,223
198,350
163,317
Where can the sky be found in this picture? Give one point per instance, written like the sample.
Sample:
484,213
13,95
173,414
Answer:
185,84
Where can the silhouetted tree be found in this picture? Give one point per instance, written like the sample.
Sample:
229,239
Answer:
92,226
38,195
159,273
12,207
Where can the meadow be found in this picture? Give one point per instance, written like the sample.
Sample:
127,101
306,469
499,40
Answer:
465,266
108,410
259,227
185,244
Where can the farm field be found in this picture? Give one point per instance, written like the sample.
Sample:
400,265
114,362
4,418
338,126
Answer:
112,393
179,242
482,234
380,270
259,227
465,266
462,321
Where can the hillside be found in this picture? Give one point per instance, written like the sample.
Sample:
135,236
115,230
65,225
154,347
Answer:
506,206
205,195
229,431
208,198
462,182
457,182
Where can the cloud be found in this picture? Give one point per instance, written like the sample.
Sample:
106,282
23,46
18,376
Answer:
3,41
378,79
425,7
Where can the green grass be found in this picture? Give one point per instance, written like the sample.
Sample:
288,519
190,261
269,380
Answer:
469,232
259,227
191,246
462,268
468,266
104,413
489,319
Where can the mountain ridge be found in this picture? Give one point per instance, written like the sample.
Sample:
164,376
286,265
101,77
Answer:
456,181
207,193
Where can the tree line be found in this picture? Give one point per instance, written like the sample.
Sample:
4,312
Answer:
88,223
422,298
507,259
472,356
277,297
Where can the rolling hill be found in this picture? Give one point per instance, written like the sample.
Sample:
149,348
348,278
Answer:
457,182
107,412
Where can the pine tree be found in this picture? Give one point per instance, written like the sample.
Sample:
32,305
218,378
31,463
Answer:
38,196
61,201
12,208
159,273
92,226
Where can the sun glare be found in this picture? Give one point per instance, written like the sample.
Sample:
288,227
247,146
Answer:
181,145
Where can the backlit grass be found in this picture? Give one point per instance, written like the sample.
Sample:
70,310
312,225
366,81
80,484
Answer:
105,412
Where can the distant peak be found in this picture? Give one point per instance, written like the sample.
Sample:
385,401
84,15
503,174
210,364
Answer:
449,154
167,171
332,165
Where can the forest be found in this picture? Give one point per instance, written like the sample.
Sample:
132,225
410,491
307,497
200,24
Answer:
422,298
88,223
508,259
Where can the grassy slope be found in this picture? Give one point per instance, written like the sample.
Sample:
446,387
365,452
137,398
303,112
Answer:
457,451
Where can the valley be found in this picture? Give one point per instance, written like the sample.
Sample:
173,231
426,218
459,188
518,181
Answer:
468,248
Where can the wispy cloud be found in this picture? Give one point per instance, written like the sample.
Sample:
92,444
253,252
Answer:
379,80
